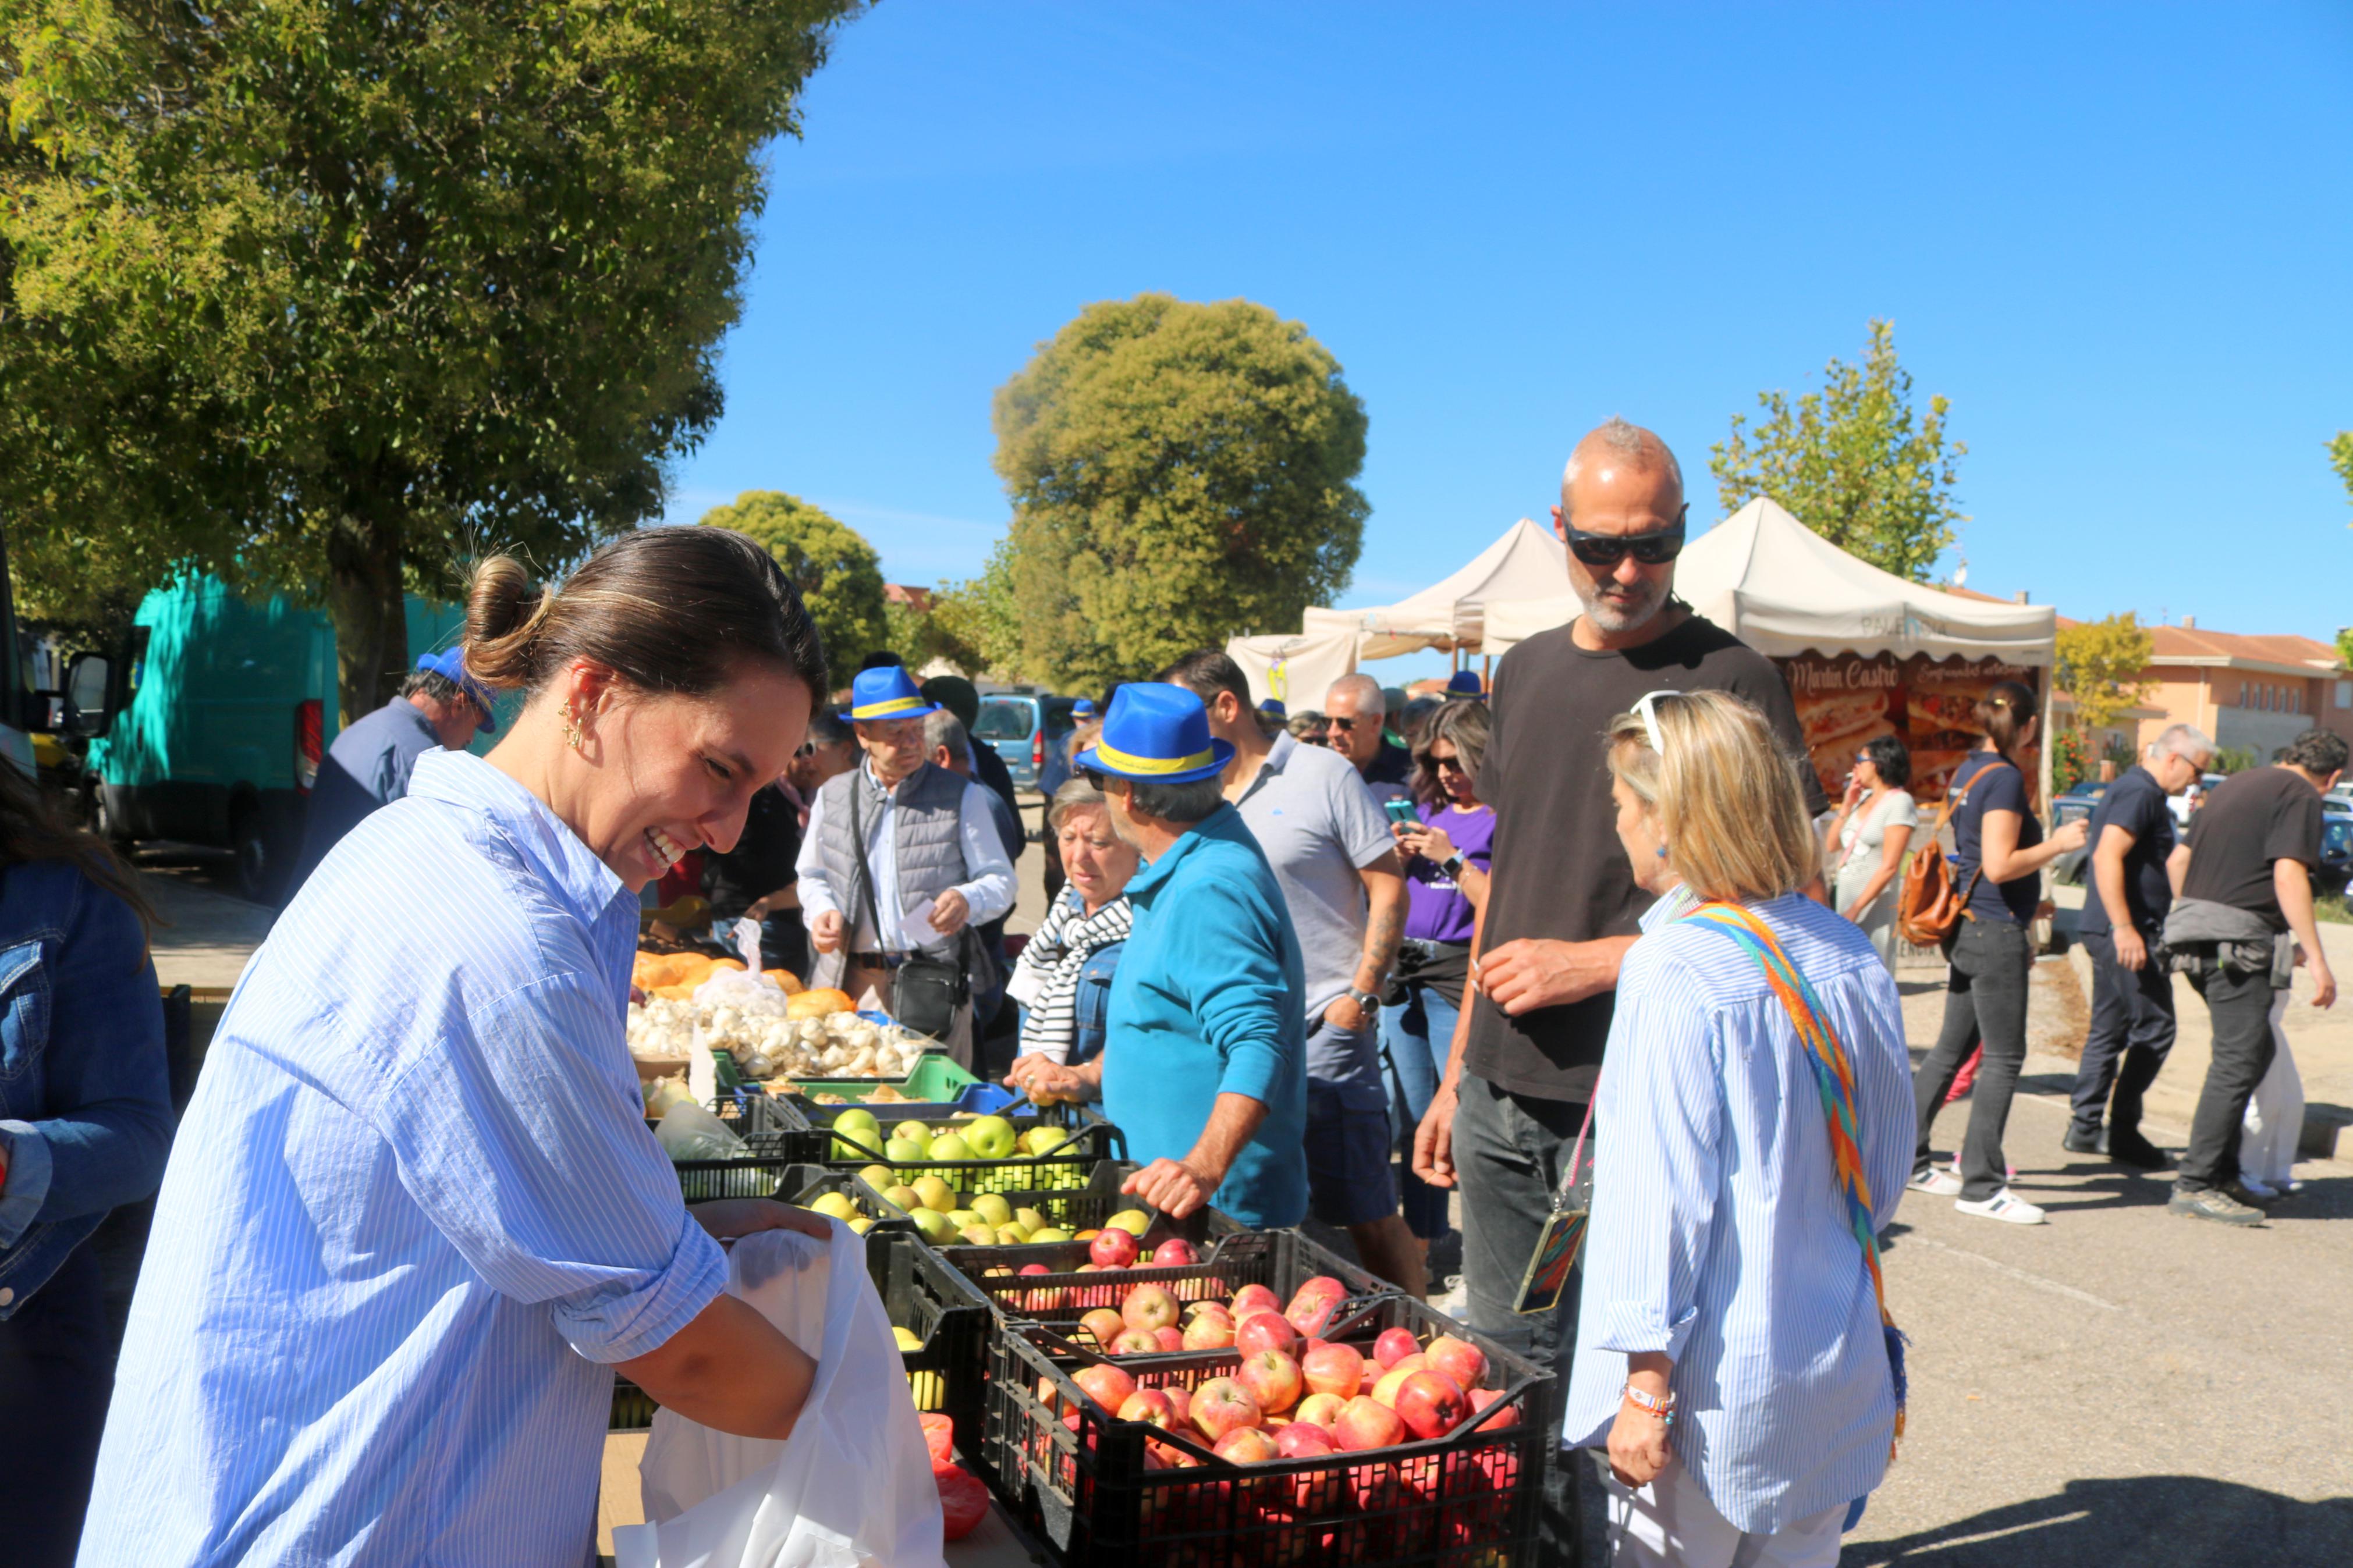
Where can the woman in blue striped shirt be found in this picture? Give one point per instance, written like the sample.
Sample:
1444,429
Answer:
414,1216
1730,1351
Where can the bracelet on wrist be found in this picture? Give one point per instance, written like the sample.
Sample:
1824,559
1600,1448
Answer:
1660,1406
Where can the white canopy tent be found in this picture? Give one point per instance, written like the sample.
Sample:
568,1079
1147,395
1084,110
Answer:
1294,671
1454,612
1785,590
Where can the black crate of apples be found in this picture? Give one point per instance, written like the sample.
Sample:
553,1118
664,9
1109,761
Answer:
1330,1428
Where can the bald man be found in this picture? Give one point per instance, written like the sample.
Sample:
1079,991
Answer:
1562,905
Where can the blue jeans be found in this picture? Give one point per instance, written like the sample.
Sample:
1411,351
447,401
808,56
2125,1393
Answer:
1415,1037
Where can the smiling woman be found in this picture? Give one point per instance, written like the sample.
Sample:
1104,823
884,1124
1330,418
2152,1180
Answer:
416,1219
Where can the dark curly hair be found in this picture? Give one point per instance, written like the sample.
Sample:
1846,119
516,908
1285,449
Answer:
1889,756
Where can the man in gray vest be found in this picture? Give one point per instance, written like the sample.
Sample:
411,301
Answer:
929,864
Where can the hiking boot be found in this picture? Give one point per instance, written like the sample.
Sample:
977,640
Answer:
2215,1204
2078,1142
2132,1149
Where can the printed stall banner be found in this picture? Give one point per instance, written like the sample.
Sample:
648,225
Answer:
1844,701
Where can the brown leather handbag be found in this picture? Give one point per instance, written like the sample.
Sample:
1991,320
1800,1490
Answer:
1929,908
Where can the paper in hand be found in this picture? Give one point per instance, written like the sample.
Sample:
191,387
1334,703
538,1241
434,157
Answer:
916,925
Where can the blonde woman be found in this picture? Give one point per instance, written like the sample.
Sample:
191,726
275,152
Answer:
1732,1354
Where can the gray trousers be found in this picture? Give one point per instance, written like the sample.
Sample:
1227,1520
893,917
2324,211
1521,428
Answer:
1985,1002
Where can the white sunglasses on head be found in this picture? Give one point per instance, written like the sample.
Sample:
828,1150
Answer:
1646,709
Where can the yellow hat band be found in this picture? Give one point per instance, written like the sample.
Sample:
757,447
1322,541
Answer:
896,706
1127,762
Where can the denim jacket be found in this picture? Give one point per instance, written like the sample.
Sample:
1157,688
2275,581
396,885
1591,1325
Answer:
85,1092
1092,1005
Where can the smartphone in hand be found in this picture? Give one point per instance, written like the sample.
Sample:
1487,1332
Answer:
1402,812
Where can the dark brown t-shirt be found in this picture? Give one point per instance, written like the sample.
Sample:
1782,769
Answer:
1559,872
2252,821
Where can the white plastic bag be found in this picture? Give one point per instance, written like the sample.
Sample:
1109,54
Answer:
852,1487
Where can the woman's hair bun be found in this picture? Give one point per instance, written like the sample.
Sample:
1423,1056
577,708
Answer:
503,611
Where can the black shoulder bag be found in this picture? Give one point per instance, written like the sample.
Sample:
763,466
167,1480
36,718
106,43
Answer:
924,993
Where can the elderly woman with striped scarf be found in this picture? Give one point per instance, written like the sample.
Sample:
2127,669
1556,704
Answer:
1063,978
1755,1122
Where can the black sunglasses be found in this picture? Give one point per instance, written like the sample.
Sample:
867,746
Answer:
1653,549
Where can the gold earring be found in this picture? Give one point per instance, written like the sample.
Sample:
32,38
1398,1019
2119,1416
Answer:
571,726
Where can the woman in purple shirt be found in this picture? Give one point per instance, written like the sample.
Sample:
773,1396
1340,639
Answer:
1447,857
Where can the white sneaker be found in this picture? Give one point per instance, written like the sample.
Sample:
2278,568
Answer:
1935,1182
2004,1206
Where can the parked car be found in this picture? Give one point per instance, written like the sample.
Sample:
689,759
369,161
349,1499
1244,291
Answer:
2075,805
229,706
2336,868
1020,726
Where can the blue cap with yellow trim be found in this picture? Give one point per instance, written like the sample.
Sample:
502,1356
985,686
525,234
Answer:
887,692
1156,733
449,664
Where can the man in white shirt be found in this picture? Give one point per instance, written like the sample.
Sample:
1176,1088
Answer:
901,858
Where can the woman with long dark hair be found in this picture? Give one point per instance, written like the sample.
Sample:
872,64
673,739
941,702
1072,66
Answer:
85,1124
414,1219
1999,845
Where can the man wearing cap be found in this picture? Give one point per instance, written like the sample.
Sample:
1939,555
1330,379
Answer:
894,839
1204,1066
438,704
1463,686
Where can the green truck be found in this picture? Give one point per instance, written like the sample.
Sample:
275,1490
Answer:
228,704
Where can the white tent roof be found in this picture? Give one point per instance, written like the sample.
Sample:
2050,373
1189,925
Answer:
1526,561
1784,589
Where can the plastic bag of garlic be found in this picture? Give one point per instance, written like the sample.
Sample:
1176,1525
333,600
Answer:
768,1045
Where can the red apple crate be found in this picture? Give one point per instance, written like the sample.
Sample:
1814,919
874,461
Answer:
1078,1479
1282,1260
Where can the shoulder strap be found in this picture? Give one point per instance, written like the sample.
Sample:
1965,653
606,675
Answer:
1833,1070
865,870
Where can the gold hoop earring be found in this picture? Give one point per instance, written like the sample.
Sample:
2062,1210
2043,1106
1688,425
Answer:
571,734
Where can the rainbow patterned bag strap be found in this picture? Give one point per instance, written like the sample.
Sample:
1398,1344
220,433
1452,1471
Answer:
1835,1077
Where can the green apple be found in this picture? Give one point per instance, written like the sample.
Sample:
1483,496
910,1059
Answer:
933,1224
861,1225
1011,1235
949,1146
902,1197
1028,1219
962,1219
877,1176
855,1132
991,1138
838,1205
1135,1222
935,1193
1052,1233
1044,1139
913,1135
980,1236
992,1207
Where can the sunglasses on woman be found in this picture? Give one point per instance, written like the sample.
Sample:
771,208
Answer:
1653,549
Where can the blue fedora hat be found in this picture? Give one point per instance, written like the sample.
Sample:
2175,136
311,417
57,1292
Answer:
449,664
887,692
1084,708
1157,733
1465,683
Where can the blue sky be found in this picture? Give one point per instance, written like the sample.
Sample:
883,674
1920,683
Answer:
2118,237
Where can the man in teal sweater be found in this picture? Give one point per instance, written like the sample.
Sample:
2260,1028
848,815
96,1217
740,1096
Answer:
1204,1066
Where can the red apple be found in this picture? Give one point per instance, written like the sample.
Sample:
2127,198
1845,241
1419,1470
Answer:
1477,1484
1111,1248
1272,1379
1106,1385
1174,1253
1149,1405
1394,1346
1148,1307
1430,1402
1366,1422
1254,1298
1104,1325
1386,1390
1170,1339
1246,1445
1320,1410
1463,1362
1304,1439
1208,1333
1181,1397
1136,1342
1267,1332
1222,1404
1333,1369
1205,1309
1316,1491
1508,1417
939,1436
1312,1304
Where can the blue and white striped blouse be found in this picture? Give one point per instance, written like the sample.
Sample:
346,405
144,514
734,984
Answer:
1719,1236
413,1209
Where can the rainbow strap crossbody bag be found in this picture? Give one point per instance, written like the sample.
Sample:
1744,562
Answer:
1834,1076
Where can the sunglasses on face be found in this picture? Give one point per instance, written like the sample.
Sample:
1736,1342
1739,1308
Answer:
1653,549
1345,726
1448,764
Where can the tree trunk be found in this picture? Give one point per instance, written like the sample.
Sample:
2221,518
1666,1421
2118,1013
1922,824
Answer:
370,611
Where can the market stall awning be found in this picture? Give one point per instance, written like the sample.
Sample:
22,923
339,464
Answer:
1785,590
1452,613
1294,671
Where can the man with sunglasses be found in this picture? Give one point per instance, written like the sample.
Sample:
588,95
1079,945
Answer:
1357,715
1562,904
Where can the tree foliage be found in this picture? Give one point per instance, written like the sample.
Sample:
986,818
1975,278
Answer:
2100,665
1852,461
2340,457
326,296
838,572
1180,473
955,629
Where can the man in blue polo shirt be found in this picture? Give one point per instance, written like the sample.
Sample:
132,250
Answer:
1204,1068
2124,914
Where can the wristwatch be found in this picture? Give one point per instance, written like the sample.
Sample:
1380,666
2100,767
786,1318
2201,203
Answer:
1365,1000
1452,865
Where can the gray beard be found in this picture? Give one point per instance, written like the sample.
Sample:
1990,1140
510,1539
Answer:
1612,617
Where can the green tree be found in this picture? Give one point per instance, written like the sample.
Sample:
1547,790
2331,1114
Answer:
2340,457
330,295
2101,664
955,627
1852,462
838,572
1180,473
